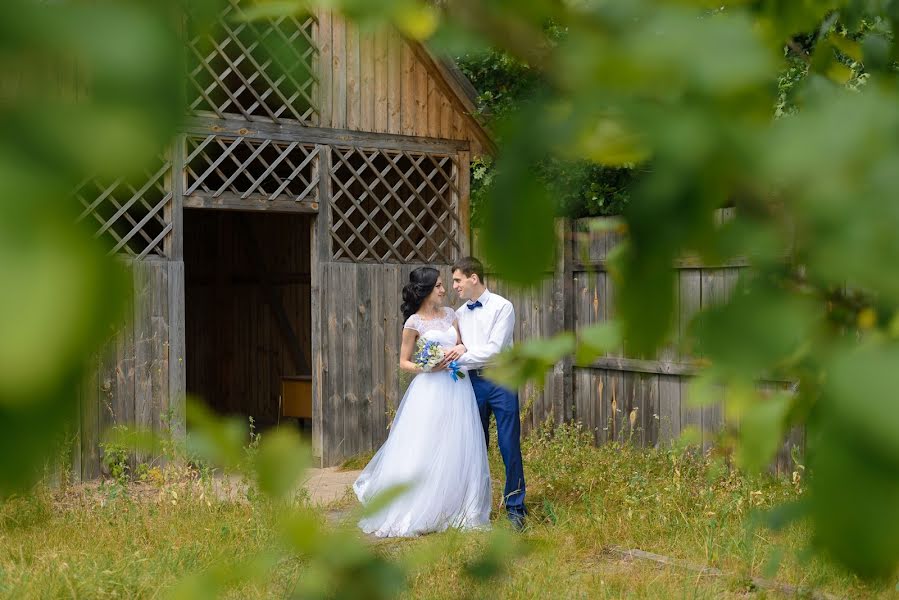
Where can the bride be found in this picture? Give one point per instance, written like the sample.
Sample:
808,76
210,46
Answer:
436,443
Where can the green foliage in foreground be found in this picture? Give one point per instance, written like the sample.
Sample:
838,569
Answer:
583,500
689,89
685,87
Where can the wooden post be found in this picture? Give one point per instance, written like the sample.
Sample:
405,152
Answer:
563,317
320,254
174,211
463,177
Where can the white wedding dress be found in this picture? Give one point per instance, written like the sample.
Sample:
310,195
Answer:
436,445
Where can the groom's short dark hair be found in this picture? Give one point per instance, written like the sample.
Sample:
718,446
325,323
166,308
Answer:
469,266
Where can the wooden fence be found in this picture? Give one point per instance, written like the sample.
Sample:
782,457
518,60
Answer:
617,397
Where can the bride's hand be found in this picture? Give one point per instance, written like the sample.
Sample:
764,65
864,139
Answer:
453,354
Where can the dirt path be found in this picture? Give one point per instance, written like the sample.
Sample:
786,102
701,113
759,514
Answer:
328,485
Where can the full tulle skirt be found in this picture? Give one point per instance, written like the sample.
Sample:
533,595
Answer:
436,446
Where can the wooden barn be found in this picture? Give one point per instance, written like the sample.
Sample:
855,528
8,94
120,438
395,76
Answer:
269,245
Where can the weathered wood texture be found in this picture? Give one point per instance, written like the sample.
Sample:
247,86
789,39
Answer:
377,81
248,313
133,215
128,381
361,380
310,118
394,206
255,70
640,401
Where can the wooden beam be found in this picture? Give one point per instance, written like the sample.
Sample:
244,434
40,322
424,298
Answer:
291,132
634,365
253,203
299,354
688,262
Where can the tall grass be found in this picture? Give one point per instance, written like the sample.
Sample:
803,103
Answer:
89,543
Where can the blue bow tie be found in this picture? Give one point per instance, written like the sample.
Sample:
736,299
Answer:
474,305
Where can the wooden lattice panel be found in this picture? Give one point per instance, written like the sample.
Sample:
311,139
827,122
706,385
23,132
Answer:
393,206
242,168
130,212
257,70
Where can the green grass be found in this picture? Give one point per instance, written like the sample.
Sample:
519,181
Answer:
583,500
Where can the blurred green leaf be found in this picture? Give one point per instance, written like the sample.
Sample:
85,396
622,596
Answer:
771,327
611,143
271,9
141,440
854,495
529,361
596,340
213,438
761,429
519,234
215,582
862,387
281,461
503,547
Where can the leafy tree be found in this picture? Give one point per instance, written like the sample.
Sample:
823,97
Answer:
580,188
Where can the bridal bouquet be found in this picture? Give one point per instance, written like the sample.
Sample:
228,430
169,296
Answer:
429,354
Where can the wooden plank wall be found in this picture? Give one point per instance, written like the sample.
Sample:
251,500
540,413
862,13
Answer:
537,312
360,340
128,382
237,352
618,398
376,81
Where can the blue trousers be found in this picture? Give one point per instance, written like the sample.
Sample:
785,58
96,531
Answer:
504,404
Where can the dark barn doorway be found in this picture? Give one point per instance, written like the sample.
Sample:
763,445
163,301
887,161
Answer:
248,313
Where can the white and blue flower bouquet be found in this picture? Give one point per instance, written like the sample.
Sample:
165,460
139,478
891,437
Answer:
429,354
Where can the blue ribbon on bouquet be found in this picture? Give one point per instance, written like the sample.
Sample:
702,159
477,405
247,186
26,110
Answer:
455,372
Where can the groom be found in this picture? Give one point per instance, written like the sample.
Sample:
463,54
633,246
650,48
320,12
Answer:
486,322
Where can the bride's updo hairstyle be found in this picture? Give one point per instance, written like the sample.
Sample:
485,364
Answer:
421,283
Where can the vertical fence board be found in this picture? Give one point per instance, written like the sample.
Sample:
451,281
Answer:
408,112
690,302
159,416
434,108
144,285
353,77
380,75
367,90
90,421
338,73
392,338
378,318
421,99
177,373
365,370
714,292
669,408
395,82
335,415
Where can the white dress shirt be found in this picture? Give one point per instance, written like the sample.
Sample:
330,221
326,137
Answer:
486,330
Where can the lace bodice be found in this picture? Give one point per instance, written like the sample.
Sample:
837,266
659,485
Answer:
440,329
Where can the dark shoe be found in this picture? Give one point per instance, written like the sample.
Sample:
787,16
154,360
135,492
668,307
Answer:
517,521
